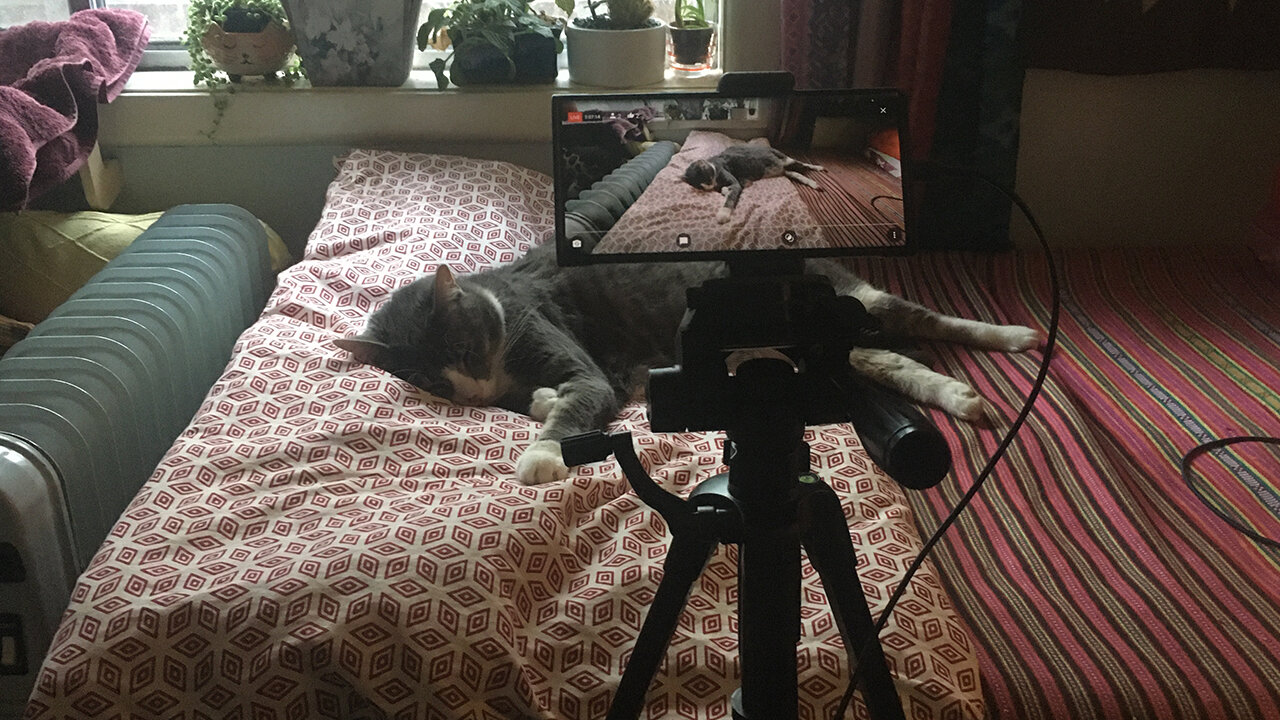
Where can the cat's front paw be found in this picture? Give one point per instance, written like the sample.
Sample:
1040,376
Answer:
723,215
541,463
543,400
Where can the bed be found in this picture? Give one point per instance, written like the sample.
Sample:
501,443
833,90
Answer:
1094,580
326,541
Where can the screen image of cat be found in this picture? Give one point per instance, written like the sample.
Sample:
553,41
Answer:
835,182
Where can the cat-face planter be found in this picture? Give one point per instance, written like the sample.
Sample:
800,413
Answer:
248,53
617,58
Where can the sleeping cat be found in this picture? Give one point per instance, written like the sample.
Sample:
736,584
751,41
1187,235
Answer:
737,166
568,346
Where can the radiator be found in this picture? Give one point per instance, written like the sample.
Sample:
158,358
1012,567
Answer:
94,396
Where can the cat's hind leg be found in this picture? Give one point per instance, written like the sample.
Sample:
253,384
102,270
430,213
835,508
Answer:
907,318
791,163
918,382
801,179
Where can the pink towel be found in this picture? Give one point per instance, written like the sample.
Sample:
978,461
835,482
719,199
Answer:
52,75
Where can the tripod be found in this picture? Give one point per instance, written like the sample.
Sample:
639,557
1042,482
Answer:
771,506
764,355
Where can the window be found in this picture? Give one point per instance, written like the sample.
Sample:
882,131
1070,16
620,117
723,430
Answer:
169,18
17,12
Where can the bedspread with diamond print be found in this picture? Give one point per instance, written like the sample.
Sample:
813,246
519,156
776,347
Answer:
327,541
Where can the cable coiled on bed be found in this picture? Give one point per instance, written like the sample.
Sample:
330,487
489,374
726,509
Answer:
923,172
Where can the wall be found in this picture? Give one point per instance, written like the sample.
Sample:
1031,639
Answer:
1183,158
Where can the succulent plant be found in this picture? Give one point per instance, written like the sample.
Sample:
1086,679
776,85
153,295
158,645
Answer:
622,15
630,14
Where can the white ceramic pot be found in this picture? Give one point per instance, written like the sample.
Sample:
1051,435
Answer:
617,58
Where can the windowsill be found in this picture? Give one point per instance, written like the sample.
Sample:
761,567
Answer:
165,108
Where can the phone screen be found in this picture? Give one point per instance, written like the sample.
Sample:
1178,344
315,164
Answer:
692,176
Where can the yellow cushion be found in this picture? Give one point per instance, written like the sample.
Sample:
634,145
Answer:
47,256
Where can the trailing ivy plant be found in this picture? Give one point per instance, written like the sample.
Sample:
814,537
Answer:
233,16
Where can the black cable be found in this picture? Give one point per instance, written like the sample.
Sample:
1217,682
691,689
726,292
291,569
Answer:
1215,445
1037,385
884,214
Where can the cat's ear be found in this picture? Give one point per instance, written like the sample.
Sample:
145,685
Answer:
446,286
363,348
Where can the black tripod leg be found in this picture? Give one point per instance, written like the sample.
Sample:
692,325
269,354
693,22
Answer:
825,536
685,561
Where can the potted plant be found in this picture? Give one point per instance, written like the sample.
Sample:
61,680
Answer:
355,42
493,41
716,110
624,48
690,37
229,39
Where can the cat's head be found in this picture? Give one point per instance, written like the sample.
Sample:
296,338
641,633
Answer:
441,335
701,174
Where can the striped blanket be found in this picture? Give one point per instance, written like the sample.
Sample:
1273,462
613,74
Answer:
1096,583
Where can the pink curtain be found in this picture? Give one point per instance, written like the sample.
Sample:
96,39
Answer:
926,25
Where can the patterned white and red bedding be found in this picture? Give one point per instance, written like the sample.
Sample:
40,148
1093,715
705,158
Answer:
327,541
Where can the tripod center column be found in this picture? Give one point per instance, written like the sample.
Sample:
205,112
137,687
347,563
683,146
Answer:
768,456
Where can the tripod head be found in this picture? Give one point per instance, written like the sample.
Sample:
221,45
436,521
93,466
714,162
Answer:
775,341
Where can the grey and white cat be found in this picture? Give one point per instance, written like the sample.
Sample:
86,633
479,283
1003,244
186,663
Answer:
569,346
737,166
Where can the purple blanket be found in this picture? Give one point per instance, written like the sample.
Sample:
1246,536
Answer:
52,75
